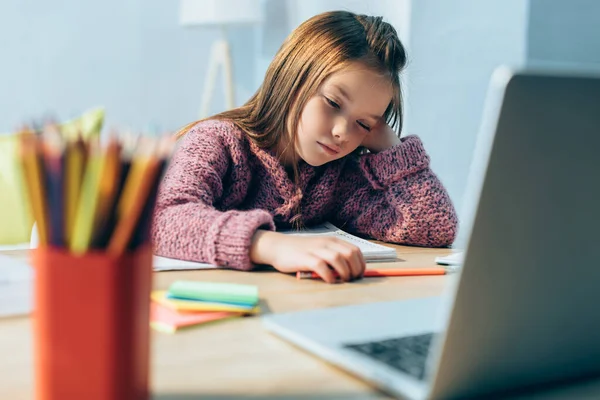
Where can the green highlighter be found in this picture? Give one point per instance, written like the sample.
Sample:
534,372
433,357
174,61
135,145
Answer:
216,292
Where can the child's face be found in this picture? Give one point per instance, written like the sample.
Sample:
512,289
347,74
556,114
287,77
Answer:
348,107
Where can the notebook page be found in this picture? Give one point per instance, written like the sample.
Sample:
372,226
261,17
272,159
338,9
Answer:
371,251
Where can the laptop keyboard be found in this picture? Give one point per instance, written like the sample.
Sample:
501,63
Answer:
407,354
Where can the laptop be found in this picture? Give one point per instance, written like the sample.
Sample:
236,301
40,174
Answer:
523,311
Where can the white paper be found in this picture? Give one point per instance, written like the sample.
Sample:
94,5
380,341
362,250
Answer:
455,259
16,287
173,264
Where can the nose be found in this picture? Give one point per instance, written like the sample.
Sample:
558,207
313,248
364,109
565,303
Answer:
340,130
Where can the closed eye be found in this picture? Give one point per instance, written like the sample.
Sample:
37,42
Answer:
365,127
332,103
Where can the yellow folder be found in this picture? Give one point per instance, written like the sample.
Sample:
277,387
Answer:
16,218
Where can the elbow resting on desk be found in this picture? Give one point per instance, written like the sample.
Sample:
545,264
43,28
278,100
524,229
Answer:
427,227
435,228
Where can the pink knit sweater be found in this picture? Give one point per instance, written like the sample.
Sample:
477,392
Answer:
220,188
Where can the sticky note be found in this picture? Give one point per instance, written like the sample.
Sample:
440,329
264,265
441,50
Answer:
212,291
164,319
249,305
160,296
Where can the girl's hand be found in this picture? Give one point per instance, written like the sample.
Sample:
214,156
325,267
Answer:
381,137
323,255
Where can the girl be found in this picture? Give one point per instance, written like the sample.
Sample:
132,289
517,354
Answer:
314,143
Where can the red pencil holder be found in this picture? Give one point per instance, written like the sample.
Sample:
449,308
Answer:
91,325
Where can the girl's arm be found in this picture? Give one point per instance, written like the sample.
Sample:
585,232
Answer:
186,224
394,196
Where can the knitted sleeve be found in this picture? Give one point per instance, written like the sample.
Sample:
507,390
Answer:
395,197
186,224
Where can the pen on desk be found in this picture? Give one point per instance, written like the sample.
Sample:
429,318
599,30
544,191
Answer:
370,273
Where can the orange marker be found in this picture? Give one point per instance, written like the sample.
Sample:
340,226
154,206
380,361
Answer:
369,273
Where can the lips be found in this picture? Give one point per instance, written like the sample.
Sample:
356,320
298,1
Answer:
330,148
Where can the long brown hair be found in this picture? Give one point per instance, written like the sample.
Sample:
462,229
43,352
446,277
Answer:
319,47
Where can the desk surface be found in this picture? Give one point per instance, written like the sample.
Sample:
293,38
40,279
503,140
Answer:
238,358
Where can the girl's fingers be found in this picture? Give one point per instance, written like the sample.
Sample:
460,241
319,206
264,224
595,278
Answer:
363,263
337,261
322,269
353,255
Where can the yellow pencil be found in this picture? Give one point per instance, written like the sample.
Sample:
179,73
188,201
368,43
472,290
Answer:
88,201
30,155
74,169
107,189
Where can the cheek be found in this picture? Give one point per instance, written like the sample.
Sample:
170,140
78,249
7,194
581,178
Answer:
356,140
314,118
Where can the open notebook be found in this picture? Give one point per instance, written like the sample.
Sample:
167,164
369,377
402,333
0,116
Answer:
371,251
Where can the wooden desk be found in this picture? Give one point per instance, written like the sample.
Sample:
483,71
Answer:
239,359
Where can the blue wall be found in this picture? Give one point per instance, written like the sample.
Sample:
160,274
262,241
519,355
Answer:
564,32
455,46
132,56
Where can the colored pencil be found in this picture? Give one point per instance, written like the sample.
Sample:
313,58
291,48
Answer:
53,155
88,201
135,193
86,195
107,190
30,154
370,273
75,159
